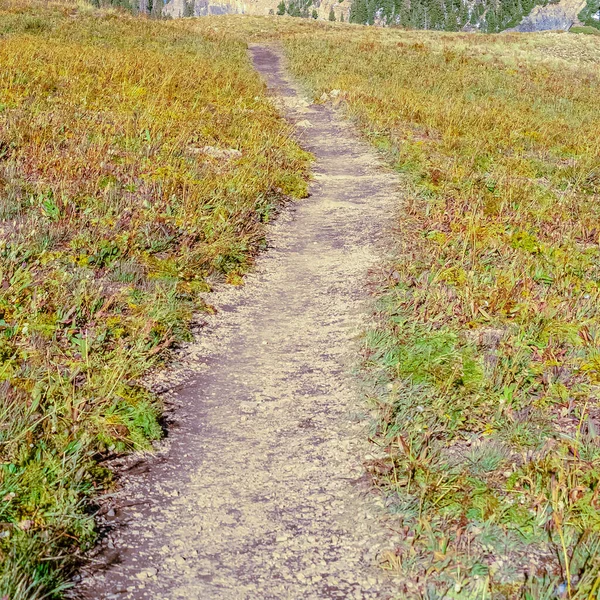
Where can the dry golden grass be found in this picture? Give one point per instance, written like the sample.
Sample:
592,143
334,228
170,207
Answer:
486,357
136,161
555,49
486,360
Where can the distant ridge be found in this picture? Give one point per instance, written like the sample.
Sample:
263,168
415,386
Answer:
317,9
488,16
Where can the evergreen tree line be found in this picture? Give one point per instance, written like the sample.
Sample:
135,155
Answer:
304,9
152,8
445,15
591,13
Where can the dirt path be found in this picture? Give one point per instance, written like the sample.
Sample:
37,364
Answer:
261,494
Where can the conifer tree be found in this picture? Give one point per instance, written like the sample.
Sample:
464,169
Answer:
436,16
157,7
463,14
371,10
331,14
451,22
449,15
358,12
491,21
419,19
387,10
404,13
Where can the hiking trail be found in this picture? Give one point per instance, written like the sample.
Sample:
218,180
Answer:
261,493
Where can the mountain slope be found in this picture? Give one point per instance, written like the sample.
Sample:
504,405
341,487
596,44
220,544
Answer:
489,16
314,9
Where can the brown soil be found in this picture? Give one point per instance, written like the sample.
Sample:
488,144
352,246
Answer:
261,492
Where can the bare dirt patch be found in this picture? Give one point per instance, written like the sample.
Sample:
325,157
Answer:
260,492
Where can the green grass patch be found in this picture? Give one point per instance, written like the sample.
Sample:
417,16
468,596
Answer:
586,29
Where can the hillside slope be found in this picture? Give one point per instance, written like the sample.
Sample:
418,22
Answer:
487,16
313,9
490,16
126,186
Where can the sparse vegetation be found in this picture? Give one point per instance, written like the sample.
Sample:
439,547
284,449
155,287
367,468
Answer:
485,358
137,161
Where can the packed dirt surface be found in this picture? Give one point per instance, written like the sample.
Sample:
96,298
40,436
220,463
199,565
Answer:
261,493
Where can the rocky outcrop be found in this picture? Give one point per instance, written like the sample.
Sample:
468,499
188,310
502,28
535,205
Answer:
199,8
552,17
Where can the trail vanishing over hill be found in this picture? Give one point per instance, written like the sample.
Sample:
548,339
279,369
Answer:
261,494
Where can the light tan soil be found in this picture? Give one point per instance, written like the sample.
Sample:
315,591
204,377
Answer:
261,493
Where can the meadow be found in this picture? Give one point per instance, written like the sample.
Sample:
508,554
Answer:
483,361
139,161
138,166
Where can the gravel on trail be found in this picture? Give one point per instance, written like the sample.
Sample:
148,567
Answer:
260,492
